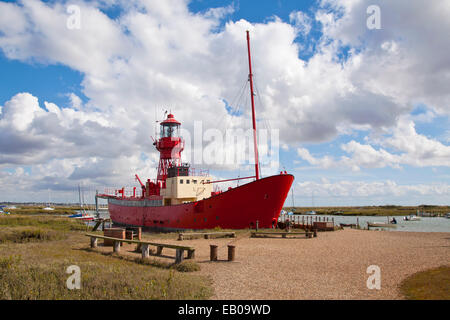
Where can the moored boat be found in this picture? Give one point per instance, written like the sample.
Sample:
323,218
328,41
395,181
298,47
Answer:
381,225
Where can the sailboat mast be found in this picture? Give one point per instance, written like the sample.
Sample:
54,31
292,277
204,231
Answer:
250,77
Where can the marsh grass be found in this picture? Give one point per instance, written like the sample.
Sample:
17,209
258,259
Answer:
116,281
48,222
20,235
33,266
433,284
187,266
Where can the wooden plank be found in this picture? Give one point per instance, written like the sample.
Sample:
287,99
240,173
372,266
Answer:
145,251
179,256
172,246
282,234
206,233
97,225
278,233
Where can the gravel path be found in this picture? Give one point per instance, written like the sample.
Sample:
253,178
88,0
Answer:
331,266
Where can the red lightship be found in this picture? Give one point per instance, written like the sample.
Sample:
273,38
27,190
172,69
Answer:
181,198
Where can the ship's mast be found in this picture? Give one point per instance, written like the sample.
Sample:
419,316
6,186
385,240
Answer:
250,77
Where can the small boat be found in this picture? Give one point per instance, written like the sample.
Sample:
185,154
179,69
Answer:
48,208
351,225
381,225
411,218
85,217
82,215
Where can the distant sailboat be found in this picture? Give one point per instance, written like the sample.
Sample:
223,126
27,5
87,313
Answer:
312,212
48,208
83,215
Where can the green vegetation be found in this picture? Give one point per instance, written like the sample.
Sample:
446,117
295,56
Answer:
35,252
29,235
433,284
54,223
388,210
187,266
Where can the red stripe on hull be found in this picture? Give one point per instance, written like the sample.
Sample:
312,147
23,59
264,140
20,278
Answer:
237,208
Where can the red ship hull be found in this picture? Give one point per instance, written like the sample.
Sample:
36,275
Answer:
237,208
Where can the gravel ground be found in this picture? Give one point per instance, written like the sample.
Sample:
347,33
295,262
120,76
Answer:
331,266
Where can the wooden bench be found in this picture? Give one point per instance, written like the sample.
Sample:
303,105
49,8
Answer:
206,235
283,234
144,247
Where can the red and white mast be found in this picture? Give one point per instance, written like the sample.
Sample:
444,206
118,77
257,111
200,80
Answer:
250,77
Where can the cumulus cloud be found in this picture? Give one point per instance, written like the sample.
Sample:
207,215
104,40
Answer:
157,55
301,21
406,146
387,190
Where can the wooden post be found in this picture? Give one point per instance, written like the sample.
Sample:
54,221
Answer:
257,225
159,250
93,242
179,256
307,234
206,236
357,222
145,251
213,252
231,252
180,237
315,233
139,233
191,254
117,246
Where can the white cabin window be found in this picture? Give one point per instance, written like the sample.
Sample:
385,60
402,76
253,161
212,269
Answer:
188,181
194,181
181,181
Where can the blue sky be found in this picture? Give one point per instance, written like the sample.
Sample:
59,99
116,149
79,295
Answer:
363,115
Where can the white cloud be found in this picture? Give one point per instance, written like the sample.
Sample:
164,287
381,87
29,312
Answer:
408,148
157,54
347,188
301,21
